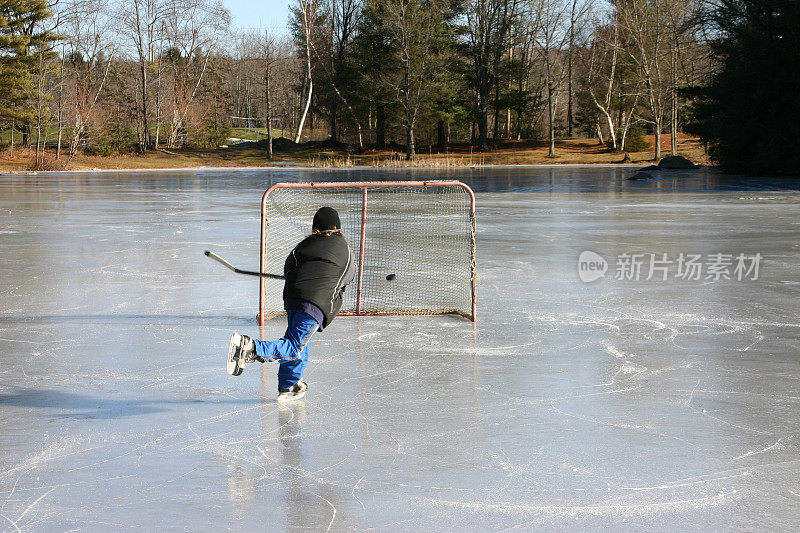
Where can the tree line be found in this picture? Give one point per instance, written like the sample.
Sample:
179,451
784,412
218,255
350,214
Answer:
151,74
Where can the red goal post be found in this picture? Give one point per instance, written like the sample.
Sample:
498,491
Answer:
423,232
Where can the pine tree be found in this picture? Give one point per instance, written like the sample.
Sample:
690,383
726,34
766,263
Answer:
404,46
750,113
21,38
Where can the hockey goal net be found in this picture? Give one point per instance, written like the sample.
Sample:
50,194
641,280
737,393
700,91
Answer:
421,234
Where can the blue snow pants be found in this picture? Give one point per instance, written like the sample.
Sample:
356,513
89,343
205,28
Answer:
291,351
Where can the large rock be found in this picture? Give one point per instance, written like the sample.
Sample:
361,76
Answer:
675,162
641,176
279,144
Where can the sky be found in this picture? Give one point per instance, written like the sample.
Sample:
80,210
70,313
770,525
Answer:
268,14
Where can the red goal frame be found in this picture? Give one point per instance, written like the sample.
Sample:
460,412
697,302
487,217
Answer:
365,186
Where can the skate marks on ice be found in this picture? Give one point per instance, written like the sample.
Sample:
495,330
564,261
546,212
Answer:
569,407
594,422
700,424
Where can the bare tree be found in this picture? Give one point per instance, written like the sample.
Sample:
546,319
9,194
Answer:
43,64
548,20
249,50
683,19
159,75
143,20
192,28
489,25
579,15
646,43
525,82
93,34
268,51
60,113
307,19
601,73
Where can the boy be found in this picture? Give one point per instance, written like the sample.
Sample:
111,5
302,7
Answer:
317,272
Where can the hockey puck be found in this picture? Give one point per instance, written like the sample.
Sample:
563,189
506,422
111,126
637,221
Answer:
390,277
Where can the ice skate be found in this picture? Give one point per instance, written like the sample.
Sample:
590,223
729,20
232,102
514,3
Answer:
241,350
295,392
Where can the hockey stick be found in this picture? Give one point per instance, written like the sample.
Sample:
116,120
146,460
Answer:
215,257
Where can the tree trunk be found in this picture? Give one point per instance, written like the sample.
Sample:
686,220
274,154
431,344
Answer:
674,103
411,153
569,99
626,124
570,52
305,112
60,107
674,125
674,111
77,131
508,109
550,112
599,132
39,84
158,104
496,134
269,135
410,109
269,110
307,31
521,86
177,124
611,130
60,130
483,116
380,125
333,125
658,138
144,140
440,134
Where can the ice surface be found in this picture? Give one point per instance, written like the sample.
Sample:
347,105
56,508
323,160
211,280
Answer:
640,405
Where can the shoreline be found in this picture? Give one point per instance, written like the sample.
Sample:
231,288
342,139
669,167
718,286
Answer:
271,168
311,155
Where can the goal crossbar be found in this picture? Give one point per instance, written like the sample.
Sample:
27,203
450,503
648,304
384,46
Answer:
415,243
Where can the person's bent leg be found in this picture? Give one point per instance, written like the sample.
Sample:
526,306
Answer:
303,327
290,372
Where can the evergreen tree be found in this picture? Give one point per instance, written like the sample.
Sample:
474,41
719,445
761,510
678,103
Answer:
372,63
409,43
21,37
750,112
489,27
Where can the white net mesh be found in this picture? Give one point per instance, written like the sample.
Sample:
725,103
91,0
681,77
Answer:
421,234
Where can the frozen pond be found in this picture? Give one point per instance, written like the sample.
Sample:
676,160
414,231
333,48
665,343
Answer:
669,403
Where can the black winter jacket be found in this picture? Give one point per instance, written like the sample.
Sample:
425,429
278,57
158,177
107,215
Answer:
317,271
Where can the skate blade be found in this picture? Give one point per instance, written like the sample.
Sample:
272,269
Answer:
291,397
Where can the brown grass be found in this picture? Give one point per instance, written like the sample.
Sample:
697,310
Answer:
575,151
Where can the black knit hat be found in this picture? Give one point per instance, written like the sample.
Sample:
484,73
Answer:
326,218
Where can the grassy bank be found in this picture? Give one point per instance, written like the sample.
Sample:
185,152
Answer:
321,154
